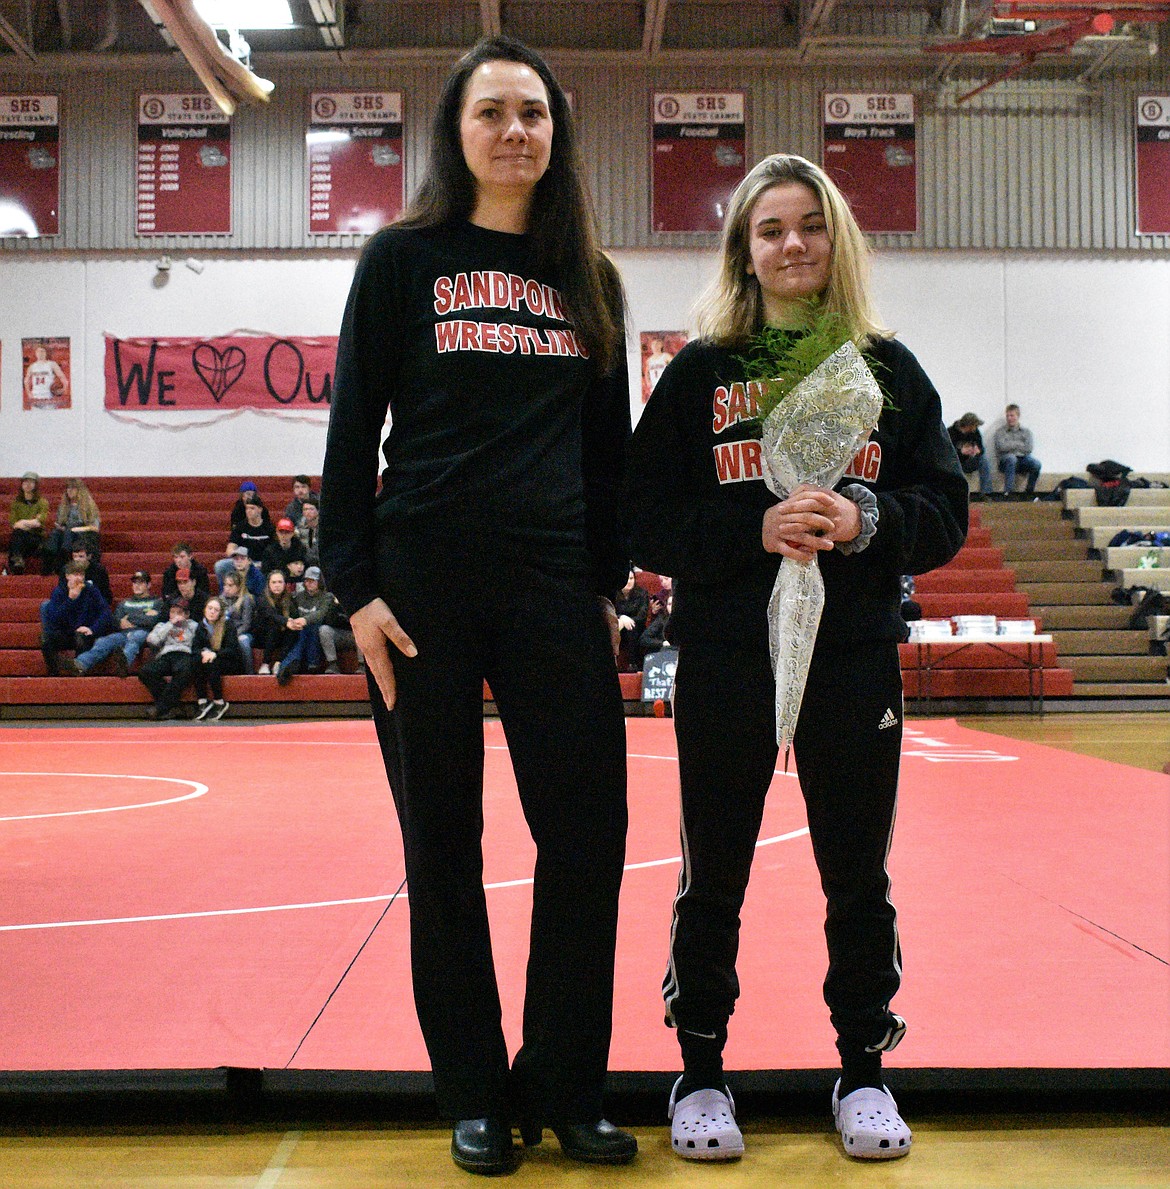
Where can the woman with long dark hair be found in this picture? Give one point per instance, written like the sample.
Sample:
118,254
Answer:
488,323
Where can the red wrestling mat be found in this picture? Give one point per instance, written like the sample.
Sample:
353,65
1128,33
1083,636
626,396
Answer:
187,898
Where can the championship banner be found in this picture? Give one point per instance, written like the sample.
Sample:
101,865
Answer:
698,158
232,372
870,154
356,177
29,166
184,166
1153,165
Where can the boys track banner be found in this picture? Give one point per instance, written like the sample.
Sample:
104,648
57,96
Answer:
229,372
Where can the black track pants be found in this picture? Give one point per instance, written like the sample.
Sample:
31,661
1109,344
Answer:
560,705
847,747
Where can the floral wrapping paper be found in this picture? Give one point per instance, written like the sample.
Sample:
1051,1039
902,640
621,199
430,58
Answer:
810,437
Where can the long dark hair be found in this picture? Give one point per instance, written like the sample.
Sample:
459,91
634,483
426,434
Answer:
562,226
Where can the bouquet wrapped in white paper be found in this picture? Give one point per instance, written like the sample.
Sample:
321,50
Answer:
810,437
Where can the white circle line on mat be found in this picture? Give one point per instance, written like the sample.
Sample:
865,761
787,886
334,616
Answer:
233,912
197,790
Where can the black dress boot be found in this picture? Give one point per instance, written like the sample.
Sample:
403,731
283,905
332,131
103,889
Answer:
483,1146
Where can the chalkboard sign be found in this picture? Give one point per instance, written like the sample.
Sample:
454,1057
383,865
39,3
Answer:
658,675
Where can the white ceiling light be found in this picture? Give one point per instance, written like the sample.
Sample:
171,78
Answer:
246,14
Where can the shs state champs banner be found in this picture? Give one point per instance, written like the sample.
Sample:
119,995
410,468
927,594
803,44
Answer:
870,154
229,372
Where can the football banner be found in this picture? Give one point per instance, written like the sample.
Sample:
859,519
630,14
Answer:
699,146
184,166
1152,175
236,371
29,166
356,177
869,151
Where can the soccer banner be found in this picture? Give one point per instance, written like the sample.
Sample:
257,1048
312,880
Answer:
1152,175
184,166
697,159
237,371
29,166
870,154
356,176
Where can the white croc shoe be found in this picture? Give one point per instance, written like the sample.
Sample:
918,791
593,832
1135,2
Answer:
703,1127
869,1123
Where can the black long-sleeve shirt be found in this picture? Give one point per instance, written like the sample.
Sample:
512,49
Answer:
502,431
696,498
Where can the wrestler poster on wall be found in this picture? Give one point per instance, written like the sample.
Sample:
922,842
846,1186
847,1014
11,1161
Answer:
659,347
46,373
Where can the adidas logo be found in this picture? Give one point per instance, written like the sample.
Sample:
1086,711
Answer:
888,720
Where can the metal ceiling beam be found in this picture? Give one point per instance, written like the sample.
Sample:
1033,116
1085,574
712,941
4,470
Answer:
15,42
653,27
329,17
489,18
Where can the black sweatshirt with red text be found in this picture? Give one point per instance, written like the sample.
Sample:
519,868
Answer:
695,501
502,431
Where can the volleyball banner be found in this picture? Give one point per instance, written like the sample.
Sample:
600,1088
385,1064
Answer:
1152,175
356,175
869,151
698,158
29,166
184,183
238,371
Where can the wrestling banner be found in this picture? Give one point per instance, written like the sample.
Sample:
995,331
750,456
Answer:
236,371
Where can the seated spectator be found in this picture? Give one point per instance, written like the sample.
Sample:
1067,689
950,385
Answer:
134,619
255,534
183,558
29,517
215,654
633,611
284,552
192,598
336,635
309,532
168,672
78,521
1013,450
657,633
272,632
72,617
302,492
968,443
245,569
239,605
248,495
310,607
95,573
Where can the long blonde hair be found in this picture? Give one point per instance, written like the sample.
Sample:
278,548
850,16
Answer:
86,506
732,308
216,634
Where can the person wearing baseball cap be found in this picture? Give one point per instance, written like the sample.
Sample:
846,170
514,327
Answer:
968,443
250,575
29,515
183,558
249,525
135,617
286,553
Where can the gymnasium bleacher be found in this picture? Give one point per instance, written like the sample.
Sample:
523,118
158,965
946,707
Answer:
143,517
